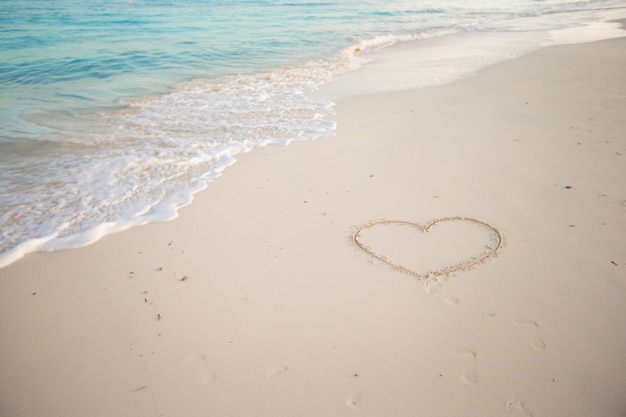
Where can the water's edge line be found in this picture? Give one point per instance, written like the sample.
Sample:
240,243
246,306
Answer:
104,229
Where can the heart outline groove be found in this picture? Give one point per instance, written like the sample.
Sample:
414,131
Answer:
460,266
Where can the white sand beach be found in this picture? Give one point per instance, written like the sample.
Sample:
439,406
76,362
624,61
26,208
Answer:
257,302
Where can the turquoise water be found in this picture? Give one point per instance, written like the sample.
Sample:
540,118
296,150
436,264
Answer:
112,114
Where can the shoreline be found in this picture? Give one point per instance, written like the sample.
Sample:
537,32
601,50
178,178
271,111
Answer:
404,65
280,314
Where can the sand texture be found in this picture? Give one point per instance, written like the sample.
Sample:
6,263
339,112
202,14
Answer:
257,301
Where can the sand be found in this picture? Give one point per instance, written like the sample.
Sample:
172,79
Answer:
257,302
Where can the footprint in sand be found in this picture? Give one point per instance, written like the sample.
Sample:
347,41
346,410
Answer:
469,376
515,408
282,375
200,366
536,342
354,400
432,286
275,372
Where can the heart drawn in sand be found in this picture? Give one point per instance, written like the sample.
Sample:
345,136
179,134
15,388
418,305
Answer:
456,244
